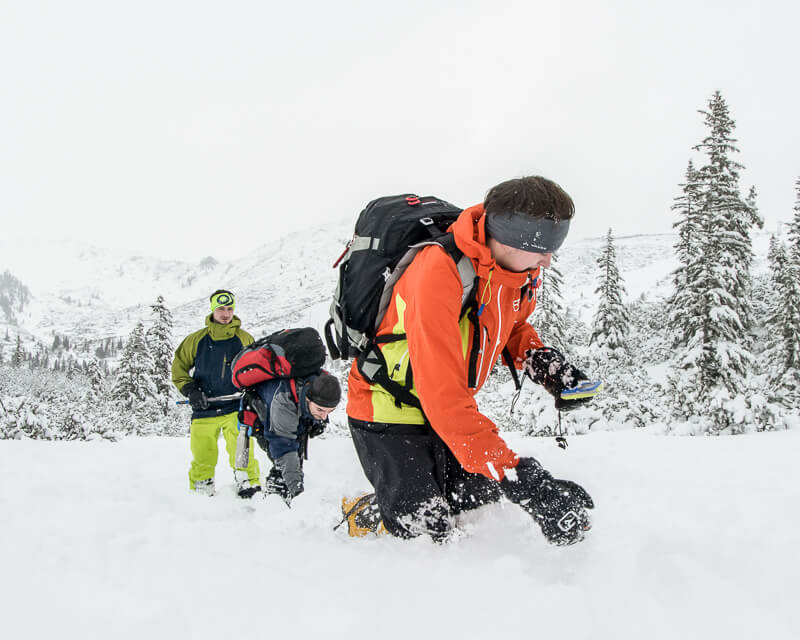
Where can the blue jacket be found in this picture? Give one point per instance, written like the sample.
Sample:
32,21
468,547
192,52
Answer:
204,357
285,421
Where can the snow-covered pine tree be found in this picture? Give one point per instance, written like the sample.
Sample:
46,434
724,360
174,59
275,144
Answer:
611,319
94,373
785,314
717,361
18,356
727,255
101,419
159,342
134,387
550,315
684,302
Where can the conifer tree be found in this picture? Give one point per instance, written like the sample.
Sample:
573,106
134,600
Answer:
714,361
18,357
721,268
94,373
684,303
159,342
784,319
611,319
550,311
134,386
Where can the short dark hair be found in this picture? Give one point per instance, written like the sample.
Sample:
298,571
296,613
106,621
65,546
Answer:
533,195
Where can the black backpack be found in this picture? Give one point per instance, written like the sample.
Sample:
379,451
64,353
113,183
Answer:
290,353
389,232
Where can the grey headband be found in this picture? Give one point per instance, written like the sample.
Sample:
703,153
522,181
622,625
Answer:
522,231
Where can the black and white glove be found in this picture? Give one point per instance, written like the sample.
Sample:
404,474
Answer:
548,367
558,506
317,428
274,483
197,399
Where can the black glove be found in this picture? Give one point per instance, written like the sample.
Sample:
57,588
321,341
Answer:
548,367
274,483
558,506
317,428
197,399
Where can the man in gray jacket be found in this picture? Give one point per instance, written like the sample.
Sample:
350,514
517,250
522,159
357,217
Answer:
291,411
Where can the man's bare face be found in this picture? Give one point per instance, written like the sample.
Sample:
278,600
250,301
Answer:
517,260
318,412
223,315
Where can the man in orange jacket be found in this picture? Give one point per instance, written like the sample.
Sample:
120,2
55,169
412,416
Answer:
428,465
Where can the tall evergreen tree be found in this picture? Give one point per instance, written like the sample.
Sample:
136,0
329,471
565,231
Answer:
18,357
550,311
713,361
134,386
159,342
94,373
684,303
794,226
784,319
722,268
611,319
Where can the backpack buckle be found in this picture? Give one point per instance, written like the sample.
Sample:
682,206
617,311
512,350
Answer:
427,221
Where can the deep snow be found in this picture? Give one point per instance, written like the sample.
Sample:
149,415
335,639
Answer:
692,538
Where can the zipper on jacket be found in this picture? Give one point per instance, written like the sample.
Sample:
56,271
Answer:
497,340
483,353
472,375
224,362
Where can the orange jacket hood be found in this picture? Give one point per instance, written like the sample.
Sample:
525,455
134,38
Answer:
470,235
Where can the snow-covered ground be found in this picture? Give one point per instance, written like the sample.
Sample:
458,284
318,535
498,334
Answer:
693,538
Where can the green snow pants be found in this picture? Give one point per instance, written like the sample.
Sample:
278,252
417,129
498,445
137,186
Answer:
203,440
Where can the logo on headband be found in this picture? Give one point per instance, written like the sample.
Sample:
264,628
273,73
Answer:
222,299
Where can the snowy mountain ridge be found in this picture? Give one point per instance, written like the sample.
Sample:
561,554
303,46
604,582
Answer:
99,293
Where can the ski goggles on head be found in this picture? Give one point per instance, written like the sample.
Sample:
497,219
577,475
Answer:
222,299
522,231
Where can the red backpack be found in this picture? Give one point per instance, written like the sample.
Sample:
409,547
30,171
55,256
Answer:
291,353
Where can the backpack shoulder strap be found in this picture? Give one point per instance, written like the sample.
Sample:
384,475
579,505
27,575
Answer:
293,387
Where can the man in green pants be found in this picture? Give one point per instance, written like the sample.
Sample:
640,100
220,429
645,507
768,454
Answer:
202,370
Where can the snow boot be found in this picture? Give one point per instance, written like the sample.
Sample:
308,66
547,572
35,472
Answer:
205,487
246,490
362,516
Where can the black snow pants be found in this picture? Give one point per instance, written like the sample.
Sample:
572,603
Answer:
419,485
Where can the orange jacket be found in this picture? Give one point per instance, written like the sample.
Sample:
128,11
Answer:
426,305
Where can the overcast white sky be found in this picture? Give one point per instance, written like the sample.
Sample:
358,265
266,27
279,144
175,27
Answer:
189,128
